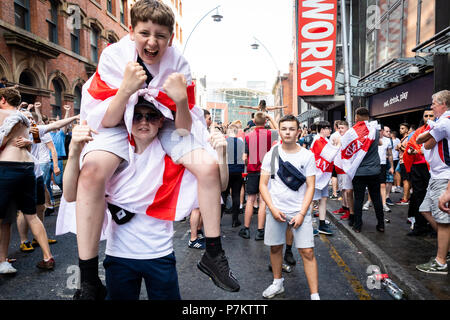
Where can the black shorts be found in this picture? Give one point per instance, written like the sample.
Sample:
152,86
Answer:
383,173
40,190
404,175
17,184
334,174
253,183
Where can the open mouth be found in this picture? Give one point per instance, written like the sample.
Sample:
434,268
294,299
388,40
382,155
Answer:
150,53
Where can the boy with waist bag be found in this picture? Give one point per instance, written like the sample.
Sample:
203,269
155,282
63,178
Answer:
288,197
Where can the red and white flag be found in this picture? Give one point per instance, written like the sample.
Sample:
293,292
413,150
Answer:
324,153
354,145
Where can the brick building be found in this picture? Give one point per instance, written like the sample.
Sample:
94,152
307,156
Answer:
51,47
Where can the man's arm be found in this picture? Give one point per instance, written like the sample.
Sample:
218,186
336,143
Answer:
37,109
391,160
61,123
248,107
423,137
66,116
272,123
275,108
52,149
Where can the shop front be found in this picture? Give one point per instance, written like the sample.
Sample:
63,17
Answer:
403,103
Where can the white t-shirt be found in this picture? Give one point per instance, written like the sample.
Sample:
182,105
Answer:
395,153
143,237
36,147
437,157
382,150
283,198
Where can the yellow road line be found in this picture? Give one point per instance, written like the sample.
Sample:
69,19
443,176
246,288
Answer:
356,285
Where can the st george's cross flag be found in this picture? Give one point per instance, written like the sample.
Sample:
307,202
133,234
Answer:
324,154
408,159
354,145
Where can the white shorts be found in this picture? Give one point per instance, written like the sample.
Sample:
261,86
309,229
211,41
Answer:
345,183
175,145
275,231
114,140
319,194
436,187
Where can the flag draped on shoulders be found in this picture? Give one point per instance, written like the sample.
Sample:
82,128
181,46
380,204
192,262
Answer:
354,145
408,159
324,154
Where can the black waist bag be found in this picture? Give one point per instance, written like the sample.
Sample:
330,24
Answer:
289,174
119,215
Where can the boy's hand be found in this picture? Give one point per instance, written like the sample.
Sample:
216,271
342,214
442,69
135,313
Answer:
34,130
67,107
30,106
37,105
175,87
297,220
278,215
218,141
81,134
133,78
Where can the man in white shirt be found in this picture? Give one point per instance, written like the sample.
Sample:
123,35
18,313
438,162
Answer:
334,138
288,206
396,158
437,154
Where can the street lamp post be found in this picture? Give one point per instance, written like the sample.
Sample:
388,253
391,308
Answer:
216,17
255,46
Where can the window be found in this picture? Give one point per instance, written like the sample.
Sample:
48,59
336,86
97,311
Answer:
370,52
22,14
53,23
26,78
94,44
75,40
395,33
56,99
109,6
122,11
77,100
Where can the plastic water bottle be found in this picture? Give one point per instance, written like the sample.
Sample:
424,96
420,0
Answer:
392,288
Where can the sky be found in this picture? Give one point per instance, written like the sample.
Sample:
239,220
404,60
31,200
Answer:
222,51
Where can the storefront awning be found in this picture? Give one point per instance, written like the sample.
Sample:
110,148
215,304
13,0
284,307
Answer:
438,44
310,114
395,71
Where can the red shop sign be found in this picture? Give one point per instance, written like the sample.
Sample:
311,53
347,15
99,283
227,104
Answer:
316,47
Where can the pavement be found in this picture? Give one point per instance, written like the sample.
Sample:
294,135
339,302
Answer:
396,253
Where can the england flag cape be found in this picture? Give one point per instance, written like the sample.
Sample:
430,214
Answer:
354,145
174,189
324,154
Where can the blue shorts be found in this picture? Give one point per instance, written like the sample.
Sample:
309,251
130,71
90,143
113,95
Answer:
124,277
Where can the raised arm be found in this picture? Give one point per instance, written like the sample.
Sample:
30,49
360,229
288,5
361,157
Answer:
61,123
275,108
175,87
37,109
81,134
248,107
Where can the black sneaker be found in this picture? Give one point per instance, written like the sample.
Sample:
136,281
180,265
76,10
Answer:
244,233
217,268
351,220
89,291
49,211
325,229
289,258
259,235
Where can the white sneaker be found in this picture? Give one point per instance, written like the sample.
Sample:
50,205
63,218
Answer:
7,268
366,206
386,208
272,291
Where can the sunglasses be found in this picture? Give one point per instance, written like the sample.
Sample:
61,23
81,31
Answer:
428,116
149,117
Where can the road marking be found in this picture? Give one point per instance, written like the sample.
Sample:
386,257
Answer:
357,287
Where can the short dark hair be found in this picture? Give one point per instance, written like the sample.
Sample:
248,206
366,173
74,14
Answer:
343,123
4,79
405,124
206,113
153,10
363,112
314,126
289,117
322,124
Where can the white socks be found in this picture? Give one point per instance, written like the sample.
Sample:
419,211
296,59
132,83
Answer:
278,282
315,296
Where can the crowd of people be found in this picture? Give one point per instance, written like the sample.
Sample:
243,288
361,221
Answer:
144,155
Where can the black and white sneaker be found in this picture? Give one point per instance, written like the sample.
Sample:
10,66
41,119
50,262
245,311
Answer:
217,268
91,292
197,244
